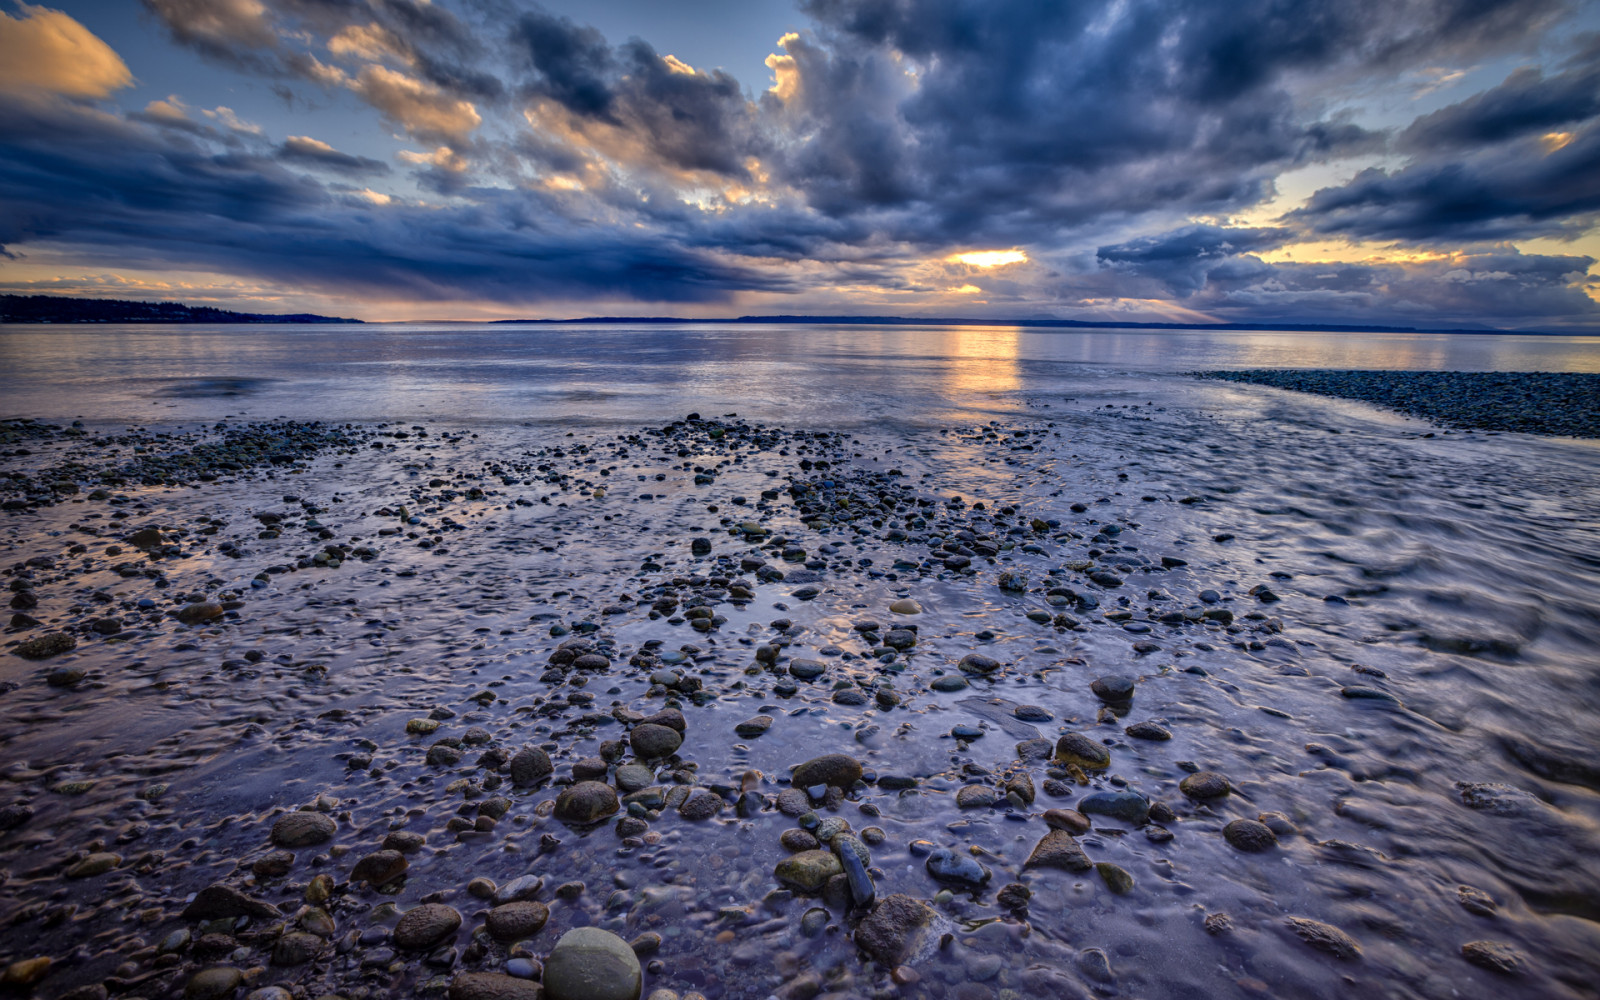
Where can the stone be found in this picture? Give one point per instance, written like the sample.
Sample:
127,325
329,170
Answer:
404,841
808,871
906,606
1325,937
1070,820
46,646
1250,835
199,614
379,868
530,765
297,948
303,829
213,984
753,727
807,670
835,769
223,902
425,926
518,889
95,864
276,864
896,930
1113,688
1148,731
24,972
1058,849
586,802
62,677
1076,748
700,805
515,921
976,797
592,964
1038,748
632,777
977,663
493,986
1475,900
1204,785
1116,877
796,839
1130,807
950,867
651,741
1496,956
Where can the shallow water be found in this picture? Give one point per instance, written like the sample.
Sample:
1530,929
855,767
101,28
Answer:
1463,568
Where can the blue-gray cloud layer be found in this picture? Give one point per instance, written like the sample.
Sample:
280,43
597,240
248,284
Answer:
1091,133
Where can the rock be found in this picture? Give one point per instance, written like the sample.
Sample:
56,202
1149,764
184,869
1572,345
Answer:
1204,785
753,727
964,870
199,614
794,802
808,871
379,868
1032,713
62,677
1070,820
669,717
1116,878
14,815
632,777
896,929
948,683
700,546
24,972
303,829
701,804
220,902
493,986
213,984
1475,900
515,921
45,646
854,857
94,864
1038,748
1148,731
1058,849
591,964
297,948
651,741
906,606
796,839
1325,937
1496,956
1113,688
833,769
518,889
807,670
404,841
1250,835
976,797
277,864
425,926
530,765
1130,807
977,663
1019,789
1076,748
586,802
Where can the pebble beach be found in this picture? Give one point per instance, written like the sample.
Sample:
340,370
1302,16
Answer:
1097,696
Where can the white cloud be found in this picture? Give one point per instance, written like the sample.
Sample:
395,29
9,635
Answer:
46,50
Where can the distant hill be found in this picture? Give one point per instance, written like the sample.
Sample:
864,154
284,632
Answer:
65,309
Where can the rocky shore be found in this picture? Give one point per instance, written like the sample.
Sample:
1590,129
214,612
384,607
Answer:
1565,404
709,708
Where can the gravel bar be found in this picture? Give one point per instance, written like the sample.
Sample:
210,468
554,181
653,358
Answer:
1565,404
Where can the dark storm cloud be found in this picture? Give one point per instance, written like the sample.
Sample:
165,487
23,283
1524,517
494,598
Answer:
1527,103
571,64
1185,259
1534,187
73,175
298,149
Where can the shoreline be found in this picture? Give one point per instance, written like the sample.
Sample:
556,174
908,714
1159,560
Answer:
1555,404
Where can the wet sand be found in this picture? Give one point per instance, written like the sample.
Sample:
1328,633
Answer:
1107,700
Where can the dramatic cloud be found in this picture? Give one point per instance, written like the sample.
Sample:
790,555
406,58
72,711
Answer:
1133,153
48,51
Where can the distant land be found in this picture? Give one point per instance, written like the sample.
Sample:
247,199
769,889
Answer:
66,309
1070,324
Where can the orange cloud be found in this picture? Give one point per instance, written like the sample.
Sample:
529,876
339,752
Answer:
46,50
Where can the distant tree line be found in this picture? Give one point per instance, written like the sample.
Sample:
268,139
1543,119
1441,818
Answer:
64,309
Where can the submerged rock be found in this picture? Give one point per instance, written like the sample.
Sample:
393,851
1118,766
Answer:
896,929
586,802
592,964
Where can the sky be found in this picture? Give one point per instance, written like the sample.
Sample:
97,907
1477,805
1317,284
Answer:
1429,163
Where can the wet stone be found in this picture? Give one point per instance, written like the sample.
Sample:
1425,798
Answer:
808,871
892,933
592,964
515,921
1250,835
303,829
586,802
952,868
1076,748
493,986
1058,849
976,797
1325,937
1129,807
1148,731
213,984
836,770
529,766
652,741
1204,785
1496,956
379,868
1113,688
424,926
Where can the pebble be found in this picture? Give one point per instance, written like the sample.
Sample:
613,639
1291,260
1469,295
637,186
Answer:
303,829
836,770
1113,688
586,802
1058,849
425,926
213,984
1204,785
1496,956
493,986
515,921
588,963
964,870
1325,937
1130,807
1076,748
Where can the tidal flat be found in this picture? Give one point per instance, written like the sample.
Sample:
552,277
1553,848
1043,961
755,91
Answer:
1162,696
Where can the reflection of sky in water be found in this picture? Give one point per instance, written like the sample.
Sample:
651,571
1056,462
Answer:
805,373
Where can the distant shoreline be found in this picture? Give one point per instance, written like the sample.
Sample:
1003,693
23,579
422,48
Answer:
53,310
